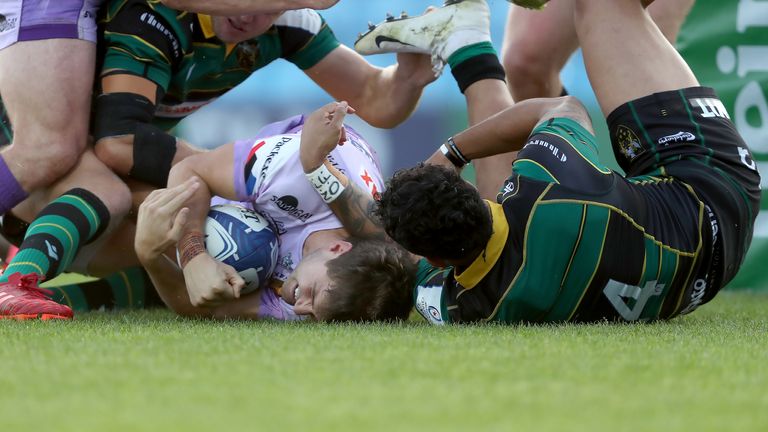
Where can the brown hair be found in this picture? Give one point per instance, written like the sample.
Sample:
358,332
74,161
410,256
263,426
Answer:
373,281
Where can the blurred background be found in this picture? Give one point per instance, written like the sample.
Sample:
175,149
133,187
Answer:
725,42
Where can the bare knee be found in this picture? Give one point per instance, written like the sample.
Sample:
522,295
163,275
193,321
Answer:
117,197
44,160
529,73
571,107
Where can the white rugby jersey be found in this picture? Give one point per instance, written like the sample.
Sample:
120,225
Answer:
269,176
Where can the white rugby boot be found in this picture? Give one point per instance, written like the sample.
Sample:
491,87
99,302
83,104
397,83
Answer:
439,33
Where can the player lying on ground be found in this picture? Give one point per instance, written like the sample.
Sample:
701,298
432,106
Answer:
569,239
316,252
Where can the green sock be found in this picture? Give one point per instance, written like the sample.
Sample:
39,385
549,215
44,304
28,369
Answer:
56,235
470,51
127,289
474,63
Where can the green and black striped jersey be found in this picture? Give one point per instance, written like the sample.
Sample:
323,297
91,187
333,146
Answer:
580,243
181,54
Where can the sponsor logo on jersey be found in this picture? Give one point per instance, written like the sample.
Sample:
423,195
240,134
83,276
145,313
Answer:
697,296
7,23
710,107
271,156
152,20
336,164
678,137
290,205
247,54
549,146
180,110
428,303
369,183
628,143
352,139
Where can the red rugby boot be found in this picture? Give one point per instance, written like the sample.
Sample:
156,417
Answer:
21,298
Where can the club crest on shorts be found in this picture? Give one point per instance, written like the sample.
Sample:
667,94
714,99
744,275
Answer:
628,143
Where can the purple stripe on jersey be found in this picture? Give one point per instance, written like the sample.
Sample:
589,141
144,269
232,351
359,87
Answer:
48,31
11,192
70,19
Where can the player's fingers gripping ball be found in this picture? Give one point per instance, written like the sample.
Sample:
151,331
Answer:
244,240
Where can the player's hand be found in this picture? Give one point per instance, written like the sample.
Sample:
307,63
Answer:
210,282
161,218
323,130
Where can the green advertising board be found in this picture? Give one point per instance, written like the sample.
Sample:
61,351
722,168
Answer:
726,44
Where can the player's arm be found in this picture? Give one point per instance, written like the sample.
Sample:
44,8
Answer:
139,61
383,97
241,7
209,282
323,131
159,226
126,139
508,130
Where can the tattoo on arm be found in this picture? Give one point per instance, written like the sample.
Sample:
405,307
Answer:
355,209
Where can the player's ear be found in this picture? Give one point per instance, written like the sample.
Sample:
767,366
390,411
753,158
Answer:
338,247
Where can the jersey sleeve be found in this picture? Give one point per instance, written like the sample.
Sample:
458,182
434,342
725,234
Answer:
428,292
305,37
147,40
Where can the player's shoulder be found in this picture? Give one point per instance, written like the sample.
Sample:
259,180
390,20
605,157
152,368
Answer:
147,16
304,19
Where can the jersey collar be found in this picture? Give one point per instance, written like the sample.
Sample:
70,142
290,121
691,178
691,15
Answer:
206,25
484,262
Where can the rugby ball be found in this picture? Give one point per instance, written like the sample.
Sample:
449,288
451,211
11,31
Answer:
243,239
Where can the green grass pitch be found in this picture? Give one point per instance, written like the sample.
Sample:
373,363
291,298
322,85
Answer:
151,371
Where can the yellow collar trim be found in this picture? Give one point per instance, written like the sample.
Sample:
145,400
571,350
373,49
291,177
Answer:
473,274
206,25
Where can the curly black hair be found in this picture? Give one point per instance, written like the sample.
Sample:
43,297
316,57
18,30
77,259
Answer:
431,211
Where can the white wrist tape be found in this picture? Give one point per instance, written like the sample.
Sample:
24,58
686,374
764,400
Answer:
325,183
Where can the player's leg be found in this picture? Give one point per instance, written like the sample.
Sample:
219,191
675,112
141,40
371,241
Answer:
537,44
459,35
669,16
126,289
46,88
626,55
89,201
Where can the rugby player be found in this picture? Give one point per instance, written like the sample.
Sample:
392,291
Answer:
47,57
315,249
160,65
568,239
